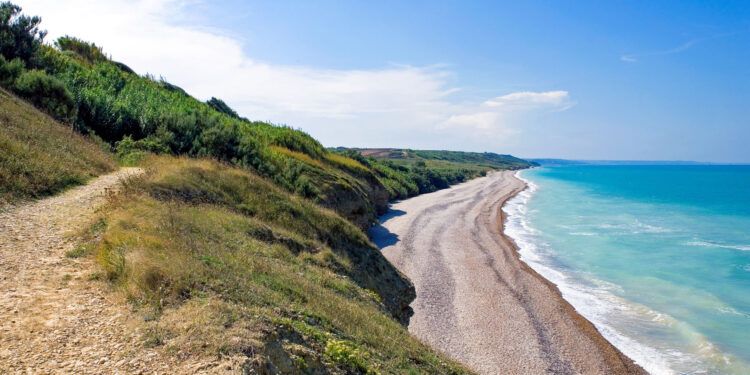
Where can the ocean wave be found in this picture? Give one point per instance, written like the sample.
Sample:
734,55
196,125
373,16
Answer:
596,302
582,234
714,244
656,340
732,311
634,227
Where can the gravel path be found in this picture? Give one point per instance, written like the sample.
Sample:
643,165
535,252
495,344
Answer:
53,318
476,301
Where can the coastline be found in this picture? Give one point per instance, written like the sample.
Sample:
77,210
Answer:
477,301
584,324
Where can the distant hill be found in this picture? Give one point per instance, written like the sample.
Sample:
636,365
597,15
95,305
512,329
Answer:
471,160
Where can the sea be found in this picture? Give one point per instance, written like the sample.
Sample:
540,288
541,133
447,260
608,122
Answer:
656,256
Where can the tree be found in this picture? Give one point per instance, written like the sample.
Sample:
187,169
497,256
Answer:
20,36
222,107
10,71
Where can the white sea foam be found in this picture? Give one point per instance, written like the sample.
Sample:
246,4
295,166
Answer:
714,244
635,329
633,226
582,234
596,302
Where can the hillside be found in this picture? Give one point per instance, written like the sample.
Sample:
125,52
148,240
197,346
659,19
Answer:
40,157
243,241
228,265
425,171
75,82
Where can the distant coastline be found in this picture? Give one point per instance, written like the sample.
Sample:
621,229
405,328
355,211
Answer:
549,162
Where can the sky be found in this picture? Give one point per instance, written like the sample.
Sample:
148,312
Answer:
627,80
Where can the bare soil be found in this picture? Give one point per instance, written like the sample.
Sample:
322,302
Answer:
55,317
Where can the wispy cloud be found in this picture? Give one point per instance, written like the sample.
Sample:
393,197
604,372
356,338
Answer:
635,57
529,100
393,105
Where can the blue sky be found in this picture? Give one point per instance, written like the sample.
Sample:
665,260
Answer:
585,79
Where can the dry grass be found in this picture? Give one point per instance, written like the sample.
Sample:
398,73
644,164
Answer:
298,155
228,265
40,157
346,162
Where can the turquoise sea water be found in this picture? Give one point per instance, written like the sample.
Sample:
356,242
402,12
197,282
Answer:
657,257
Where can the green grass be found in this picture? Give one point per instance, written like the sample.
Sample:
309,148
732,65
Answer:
229,264
40,157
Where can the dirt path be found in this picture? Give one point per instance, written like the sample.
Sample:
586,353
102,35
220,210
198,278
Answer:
53,318
476,301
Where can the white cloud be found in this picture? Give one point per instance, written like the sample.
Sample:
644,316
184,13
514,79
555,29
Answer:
531,100
390,106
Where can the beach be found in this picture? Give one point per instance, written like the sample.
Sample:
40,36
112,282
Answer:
477,302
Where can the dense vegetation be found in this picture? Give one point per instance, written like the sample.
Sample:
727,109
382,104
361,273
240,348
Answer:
76,82
230,264
39,157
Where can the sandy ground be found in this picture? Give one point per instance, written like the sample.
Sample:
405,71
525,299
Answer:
53,318
476,301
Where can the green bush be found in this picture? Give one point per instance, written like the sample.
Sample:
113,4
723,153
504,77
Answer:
10,71
48,93
90,52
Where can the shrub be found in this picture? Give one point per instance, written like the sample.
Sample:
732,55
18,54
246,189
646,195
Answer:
220,141
88,51
47,93
345,353
10,71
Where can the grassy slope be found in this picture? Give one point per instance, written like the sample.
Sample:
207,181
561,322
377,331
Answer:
115,103
39,156
225,263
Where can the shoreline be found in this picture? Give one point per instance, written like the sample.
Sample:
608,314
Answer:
584,324
477,301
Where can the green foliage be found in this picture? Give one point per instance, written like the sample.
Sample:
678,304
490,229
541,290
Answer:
10,71
89,52
222,107
345,353
20,36
47,93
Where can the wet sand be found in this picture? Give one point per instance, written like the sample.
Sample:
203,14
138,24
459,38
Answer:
476,300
